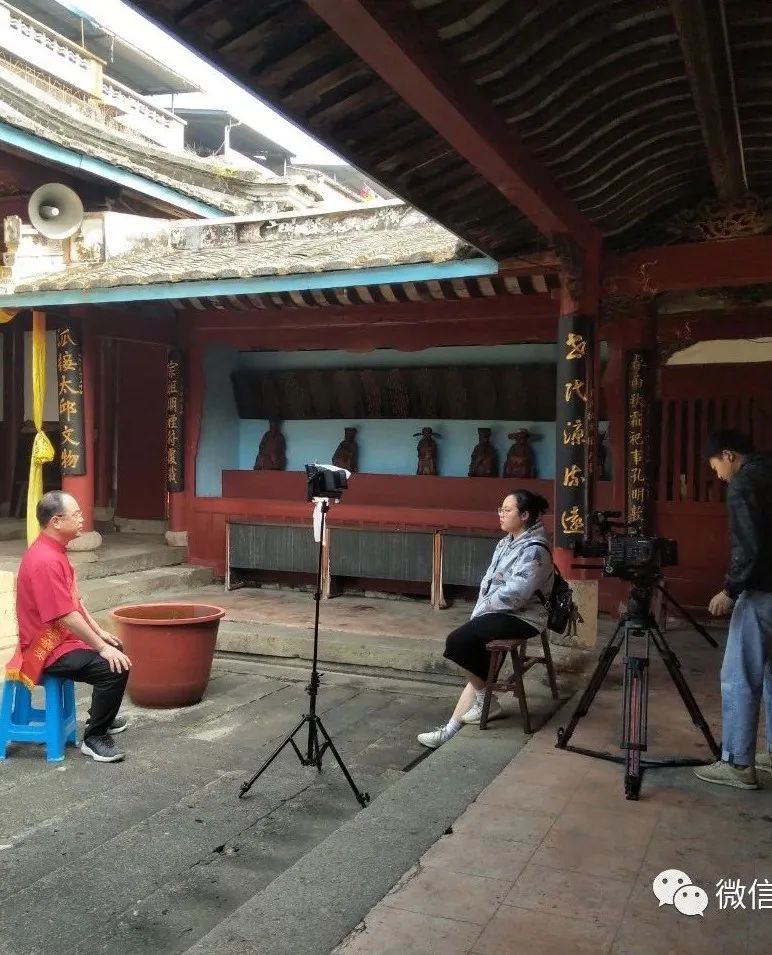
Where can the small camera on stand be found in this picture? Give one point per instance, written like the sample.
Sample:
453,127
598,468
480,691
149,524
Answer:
325,480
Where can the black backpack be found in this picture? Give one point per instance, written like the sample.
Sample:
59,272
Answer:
560,602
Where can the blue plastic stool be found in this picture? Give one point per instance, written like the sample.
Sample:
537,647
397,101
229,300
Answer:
54,726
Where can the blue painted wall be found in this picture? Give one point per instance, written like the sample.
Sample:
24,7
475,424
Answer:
218,446
386,446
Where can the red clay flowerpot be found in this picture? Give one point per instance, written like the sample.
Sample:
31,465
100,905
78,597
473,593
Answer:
171,646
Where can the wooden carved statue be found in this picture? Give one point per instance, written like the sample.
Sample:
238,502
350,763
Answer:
520,461
272,452
347,452
485,460
427,451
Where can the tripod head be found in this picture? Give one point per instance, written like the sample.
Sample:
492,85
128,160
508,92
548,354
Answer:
638,608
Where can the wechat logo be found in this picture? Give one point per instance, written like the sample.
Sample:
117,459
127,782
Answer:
673,887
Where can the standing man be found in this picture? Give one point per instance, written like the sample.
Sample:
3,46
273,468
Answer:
746,673
58,636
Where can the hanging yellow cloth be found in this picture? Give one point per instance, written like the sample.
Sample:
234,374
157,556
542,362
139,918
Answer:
42,449
6,315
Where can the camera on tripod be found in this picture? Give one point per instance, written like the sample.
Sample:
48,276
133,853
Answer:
629,555
325,480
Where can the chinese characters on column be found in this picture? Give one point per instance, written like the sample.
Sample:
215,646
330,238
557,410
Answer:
574,353
175,422
69,380
638,429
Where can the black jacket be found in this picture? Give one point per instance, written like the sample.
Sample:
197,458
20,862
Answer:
749,501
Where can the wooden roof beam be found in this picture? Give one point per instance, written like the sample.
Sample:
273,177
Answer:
694,265
395,43
702,30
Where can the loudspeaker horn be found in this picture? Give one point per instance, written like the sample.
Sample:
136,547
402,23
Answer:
55,210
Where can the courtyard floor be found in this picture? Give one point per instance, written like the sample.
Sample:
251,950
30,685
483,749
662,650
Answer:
551,858
494,844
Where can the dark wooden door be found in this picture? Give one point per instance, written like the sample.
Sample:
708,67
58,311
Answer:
697,399
140,432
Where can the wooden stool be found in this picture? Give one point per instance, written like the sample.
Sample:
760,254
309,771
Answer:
521,662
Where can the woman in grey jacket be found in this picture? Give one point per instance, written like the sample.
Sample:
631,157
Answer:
510,605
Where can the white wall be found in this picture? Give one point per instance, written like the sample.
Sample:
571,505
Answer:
724,352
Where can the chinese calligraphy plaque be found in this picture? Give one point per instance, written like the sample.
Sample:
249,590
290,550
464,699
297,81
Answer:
638,441
69,383
575,350
175,421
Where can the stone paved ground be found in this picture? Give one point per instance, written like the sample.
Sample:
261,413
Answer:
551,859
146,856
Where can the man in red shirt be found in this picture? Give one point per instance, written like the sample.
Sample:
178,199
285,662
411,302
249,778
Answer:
59,637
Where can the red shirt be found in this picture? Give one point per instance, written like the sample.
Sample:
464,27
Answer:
46,590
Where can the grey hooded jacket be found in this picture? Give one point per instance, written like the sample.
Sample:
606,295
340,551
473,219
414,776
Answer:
518,569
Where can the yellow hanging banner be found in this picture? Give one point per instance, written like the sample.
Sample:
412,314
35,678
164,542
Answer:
42,449
6,315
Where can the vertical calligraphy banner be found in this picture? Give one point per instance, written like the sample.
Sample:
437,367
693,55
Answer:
69,379
175,421
639,372
575,350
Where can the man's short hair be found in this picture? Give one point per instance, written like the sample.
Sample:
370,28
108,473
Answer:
728,439
49,506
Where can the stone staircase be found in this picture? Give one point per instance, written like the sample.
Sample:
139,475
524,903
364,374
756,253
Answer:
129,568
141,586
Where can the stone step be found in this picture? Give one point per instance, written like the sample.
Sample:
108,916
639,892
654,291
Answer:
103,593
415,657
133,525
12,529
136,561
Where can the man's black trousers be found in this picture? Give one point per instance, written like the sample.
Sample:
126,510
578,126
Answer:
86,666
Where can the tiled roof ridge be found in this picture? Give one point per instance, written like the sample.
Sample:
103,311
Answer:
237,192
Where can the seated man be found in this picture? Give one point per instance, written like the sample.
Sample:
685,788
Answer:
57,635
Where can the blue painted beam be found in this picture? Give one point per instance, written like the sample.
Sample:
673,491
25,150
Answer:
69,158
416,272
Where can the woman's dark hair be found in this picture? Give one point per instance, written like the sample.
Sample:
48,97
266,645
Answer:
533,504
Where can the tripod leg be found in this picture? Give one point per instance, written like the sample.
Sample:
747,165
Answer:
697,626
289,741
604,664
673,665
636,690
362,798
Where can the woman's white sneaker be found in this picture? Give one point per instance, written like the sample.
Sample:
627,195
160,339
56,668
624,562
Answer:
435,738
474,712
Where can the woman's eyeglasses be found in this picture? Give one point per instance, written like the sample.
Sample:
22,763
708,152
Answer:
505,510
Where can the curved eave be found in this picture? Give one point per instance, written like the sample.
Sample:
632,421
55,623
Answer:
419,272
42,149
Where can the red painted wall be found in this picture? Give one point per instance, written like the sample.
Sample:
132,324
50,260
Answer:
372,500
141,420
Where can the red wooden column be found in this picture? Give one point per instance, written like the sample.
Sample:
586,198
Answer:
105,412
81,487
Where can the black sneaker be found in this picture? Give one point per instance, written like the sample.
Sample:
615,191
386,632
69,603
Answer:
102,749
118,725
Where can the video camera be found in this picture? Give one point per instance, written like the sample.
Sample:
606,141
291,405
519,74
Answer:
630,555
325,480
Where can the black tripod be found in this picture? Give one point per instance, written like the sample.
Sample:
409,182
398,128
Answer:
314,750
637,629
